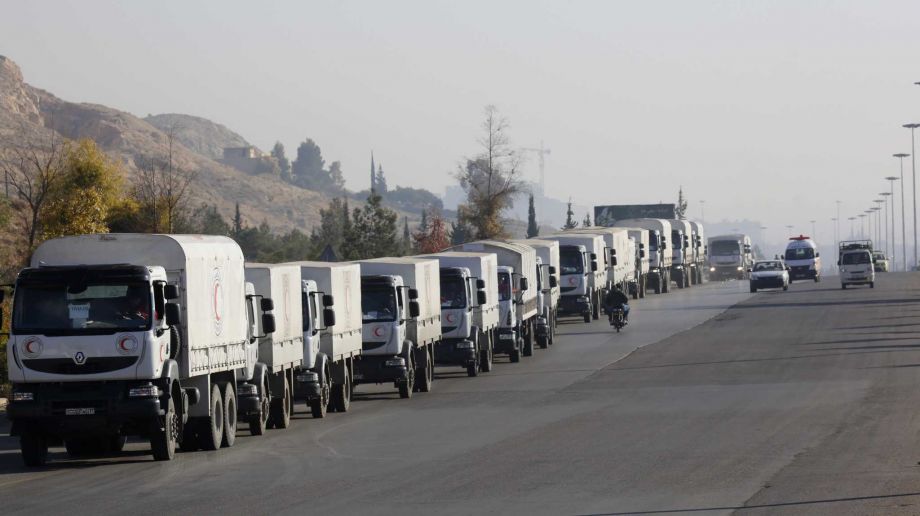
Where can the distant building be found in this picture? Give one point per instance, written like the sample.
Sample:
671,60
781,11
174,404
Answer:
250,160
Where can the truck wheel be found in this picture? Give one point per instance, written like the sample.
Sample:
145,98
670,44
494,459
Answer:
259,422
34,449
871,284
281,408
163,441
843,286
230,416
320,405
426,374
472,370
485,359
543,342
406,387
515,356
341,395
658,285
210,437
753,288
596,309
588,315
817,278
115,443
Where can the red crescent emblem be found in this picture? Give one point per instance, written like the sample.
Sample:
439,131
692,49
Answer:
378,331
450,318
573,280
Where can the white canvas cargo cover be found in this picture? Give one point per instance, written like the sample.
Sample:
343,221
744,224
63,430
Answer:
593,243
640,235
483,266
548,252
343,282
208,271
617,241
664,229
523,259
281,283
424,275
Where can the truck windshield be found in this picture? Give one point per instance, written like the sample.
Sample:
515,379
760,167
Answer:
453,292
571,261
724,248
504,286
652,241
81,309
378,305
855,259
800,253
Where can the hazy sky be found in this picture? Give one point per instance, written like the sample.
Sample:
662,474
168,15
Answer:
767,110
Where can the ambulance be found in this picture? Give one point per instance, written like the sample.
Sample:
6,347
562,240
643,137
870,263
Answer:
803,259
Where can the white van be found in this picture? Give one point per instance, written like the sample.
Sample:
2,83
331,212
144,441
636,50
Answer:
803,259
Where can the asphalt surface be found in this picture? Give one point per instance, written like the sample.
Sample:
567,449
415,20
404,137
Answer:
712,401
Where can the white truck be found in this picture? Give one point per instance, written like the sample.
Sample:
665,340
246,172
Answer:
548,256
401,309
641,239
681,252
126,334
621,262
280,353
856,263
469,310
730,256
583,273
698,244
659,231
517,295
330,351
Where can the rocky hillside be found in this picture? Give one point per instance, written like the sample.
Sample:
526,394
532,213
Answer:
198,134
29,114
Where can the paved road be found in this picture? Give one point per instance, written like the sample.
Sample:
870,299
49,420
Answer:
713,401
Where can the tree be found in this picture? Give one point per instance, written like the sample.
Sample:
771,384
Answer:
307,168
407,236
374,232
586,222
434,238
533,229
423,225
570,218
380,181
206,220
162,189
237,221
681,208
490,179
460,231
334,222
284,165
336,178
87,191
32,174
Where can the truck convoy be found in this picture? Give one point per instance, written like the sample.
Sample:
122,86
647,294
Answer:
469,310
618,260
517,295
548,305
803,259
402,323
856,263
730,256
122,334
583,273
659,231
332,343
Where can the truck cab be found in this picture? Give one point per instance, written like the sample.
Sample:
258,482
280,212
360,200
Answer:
546,283
856,263
313,381
575,267
387,305
461,294
729,256
510,334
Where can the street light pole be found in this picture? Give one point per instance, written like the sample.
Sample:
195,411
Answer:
913,184
862,225
852,220
891,180
878,220
888,211
901,157
703,211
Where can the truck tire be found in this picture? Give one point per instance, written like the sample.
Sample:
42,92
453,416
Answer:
210,437
658,285
34,449
259,422
515,356
843,286
115,443
426,373
406,387
230,416
319,406
527,347
871,284
280,413
753,288
817,278
485,358
596,309
163,441
340,395
543,342
588,316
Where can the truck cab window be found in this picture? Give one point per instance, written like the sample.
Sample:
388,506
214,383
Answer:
571,261
453,292
378,305
504,286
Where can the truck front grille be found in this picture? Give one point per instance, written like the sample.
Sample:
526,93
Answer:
368,346
93,365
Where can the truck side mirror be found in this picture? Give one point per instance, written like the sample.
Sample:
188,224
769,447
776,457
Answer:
817,255
328,300
266,304
173,314
2,296
594,257
552,270
642,253
413,293
553,283
481,297
524,284
171,291
328,318
414,310
613,260
480,284
838,263
268,324
593,266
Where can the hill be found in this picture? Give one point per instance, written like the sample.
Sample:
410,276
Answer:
198,134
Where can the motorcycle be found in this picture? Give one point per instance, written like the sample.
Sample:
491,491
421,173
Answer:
617,318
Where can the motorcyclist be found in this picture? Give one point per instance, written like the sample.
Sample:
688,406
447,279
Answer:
616,298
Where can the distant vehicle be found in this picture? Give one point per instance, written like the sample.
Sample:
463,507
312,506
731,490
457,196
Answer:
730,256
769,274
856,263
803,259
881,261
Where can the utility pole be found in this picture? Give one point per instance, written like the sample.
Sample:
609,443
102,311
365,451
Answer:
913,184
542,152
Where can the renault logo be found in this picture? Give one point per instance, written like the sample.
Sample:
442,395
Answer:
79,358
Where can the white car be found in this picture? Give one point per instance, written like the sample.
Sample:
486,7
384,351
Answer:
769,274
856,268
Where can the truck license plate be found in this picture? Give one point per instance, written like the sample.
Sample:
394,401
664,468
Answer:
87,411
506,336
358,376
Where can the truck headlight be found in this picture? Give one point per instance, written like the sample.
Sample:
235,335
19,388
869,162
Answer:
144,391
712,269
395,362
583,299
23,396
740,268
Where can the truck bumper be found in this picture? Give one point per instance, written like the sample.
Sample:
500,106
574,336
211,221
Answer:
574,305
802,272
306,384
507,341
380,369
455,352
725,272
63,409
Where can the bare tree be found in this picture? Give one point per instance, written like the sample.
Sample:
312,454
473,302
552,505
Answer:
162,187
492,178
31,173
